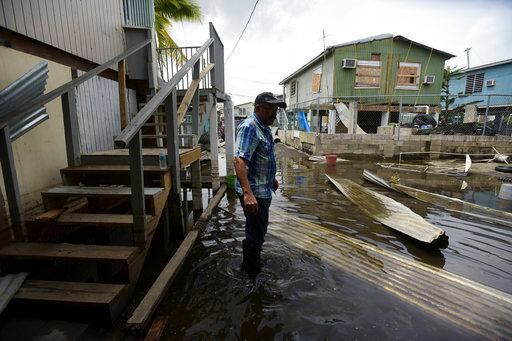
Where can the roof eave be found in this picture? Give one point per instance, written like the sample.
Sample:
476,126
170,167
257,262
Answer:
402,38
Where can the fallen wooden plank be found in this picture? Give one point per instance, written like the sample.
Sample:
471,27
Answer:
157,328
388,211
9,285
451,204
149,303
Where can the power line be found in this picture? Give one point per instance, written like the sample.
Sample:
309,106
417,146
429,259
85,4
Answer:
241,34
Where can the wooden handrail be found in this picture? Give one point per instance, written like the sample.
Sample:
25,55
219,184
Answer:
132,129
40,101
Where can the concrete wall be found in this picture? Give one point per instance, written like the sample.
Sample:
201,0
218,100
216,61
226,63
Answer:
40,153
388,146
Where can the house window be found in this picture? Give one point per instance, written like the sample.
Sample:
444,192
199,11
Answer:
408,76
317,77
375,57
368,74
293,87
474,83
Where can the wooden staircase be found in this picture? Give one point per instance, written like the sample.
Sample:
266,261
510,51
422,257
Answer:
81,252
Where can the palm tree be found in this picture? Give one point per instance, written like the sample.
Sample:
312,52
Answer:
169,11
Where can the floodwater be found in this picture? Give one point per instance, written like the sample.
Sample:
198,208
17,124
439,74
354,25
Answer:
299,296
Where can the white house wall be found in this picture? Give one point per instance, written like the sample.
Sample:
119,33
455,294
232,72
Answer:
304,79
98,113
91,29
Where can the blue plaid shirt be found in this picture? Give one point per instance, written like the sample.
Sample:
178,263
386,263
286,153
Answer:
255,144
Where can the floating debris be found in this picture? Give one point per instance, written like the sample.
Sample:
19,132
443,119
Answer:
471,305
430,169
388,211
322,158
451,204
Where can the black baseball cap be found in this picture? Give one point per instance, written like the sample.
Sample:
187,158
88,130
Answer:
268,97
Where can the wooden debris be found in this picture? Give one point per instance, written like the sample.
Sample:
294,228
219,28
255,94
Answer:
50,215
451,204
388,211
156,293
157,328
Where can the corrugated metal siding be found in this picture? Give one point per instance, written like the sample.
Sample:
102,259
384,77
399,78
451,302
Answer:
98,113
91,29
392,52
140,13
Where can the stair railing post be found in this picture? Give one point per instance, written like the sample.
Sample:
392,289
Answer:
123,113
71,129
229,135
173,159
195,167
137,187
12,189
214,149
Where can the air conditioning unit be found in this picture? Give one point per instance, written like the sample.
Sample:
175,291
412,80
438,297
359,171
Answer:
349,63
429,79
490,82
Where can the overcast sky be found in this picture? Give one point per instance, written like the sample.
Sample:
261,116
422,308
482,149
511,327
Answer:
285,34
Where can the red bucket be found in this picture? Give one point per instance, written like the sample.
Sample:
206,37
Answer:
331,159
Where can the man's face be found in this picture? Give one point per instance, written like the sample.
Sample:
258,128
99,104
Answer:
267,112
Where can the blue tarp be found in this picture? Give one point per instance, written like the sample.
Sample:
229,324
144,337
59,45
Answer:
303,122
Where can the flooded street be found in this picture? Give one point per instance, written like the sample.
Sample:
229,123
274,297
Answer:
300,295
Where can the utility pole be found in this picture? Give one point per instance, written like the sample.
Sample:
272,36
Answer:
467,54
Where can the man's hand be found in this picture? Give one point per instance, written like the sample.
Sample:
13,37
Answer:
276,185
250,203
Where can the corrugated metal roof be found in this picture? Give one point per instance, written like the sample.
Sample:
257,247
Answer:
23,90
362,41
484,66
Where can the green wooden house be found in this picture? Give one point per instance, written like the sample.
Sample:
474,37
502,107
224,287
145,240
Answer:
373,71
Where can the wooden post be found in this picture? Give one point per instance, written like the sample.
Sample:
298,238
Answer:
12,190
71,129
352,107
214,149
173,159
123,113
137,187
229,135
195,167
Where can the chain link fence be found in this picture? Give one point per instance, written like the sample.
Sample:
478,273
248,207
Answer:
402,115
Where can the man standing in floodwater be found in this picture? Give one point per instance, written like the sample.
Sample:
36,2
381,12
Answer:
255,166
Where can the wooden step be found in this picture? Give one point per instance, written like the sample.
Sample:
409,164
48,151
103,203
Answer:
98,220
110,169
108,297
69,252
87,191
150,156
69,292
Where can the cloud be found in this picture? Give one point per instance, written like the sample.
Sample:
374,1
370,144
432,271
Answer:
284,35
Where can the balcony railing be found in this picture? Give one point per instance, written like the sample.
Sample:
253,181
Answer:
170,60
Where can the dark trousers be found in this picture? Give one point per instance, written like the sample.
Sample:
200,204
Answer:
256,224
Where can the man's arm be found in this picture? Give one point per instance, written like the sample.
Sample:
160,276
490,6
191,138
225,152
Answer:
250,202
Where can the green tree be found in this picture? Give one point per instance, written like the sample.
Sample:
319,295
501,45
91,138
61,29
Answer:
169,11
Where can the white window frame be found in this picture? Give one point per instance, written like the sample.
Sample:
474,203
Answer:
418,76
374,63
